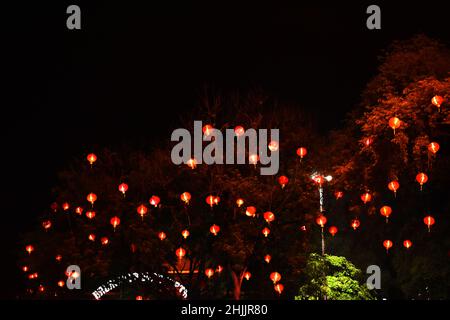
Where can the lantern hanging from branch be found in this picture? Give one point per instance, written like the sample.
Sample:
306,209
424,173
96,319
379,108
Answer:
115,221
214,229
283,181
162,235
338,194
250,211
433,147
253,159
393,186
47,224
394,123
421,178
437,101
209,272
207,129
91,158
154,201
386,212
104,241
91,237
387,244
355,223
79,210
142,210
267,258
192,163
275,277
239,202
301,152
407,244
321,221
333,230
278,288
91,197
247,275
180,253
273,145
123,187
29,248
65,206
366,197
185,233
239,131
90,214
265,232
269,216
429,221
185,197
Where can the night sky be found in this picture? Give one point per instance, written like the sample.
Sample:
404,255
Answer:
131,69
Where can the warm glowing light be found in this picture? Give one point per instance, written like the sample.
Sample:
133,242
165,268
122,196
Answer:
142,210
61,283
333,230
185,197
161,235
437,101
104,241
139,298
250,211
91,158
328,178
366,197
25,268
79,210
47,224
301,152
275,277
154,201
209,272
269,216
91,197
386,212
41,288
265,232
29,248
253,159
219,269
91,237
90,214
180,253
283,181
247,275
239,202
65,206
123,187
321,221
273,146
185,234
367,141
207,129
355,224
433,147
387,244
407,244
429,221
394,123
115,221
192,163
267,258
317,178
58,257
393,186
239,131
278,288
338,194
54,207
214,229
421,178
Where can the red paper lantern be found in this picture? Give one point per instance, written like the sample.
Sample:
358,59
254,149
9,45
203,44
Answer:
25,268
386,212
180,253
338,194
387,244
333,230
267,258
65,206
321,221
139,298
115,221
239,131
433,147
437,101
301,152
91,197
91,237
278,288
394,123
91,158
154,201
366,197
185,197
429,221
185,233
162,235
273,146
355,224
239,202
250,211
209,272
421,178
247,275
207,129
104,241
265,232
219,269
90,214
29,248
58,257
47,224
79,210
269,216
210,200
253,159
393,186
123,187
275,277
192,163
142,210
318,179
283,181
407,244
214,229
61,283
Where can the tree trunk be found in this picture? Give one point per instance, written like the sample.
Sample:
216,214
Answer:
237,282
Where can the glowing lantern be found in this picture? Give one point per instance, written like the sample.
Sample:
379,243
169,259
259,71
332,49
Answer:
366,197
433,147
29,248
58,257
239,130
303,228
216,200
41,288
393,186
214,229
104,241
65,206
394,123
25,268
91,158
387,244
301,152
407,244
318,179
192,163
142,210
115,221
421,178
54,206
333,230
79,210
185,233
250,211
180,253
367,141
278,288
139,298
209,272
283,181
269,216
355,224
275,277
210,200
207,129
247,275
265,232
437,101
273,146
253,159
219,269
239,202
185,197
123,187
47,224
338,194
161,236
154,201
321,221
61,283
90,214
386,212
429,221
267,258
91,197
91,237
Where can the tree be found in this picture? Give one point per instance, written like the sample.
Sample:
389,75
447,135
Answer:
332,278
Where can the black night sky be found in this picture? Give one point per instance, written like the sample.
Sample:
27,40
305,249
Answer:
132,68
